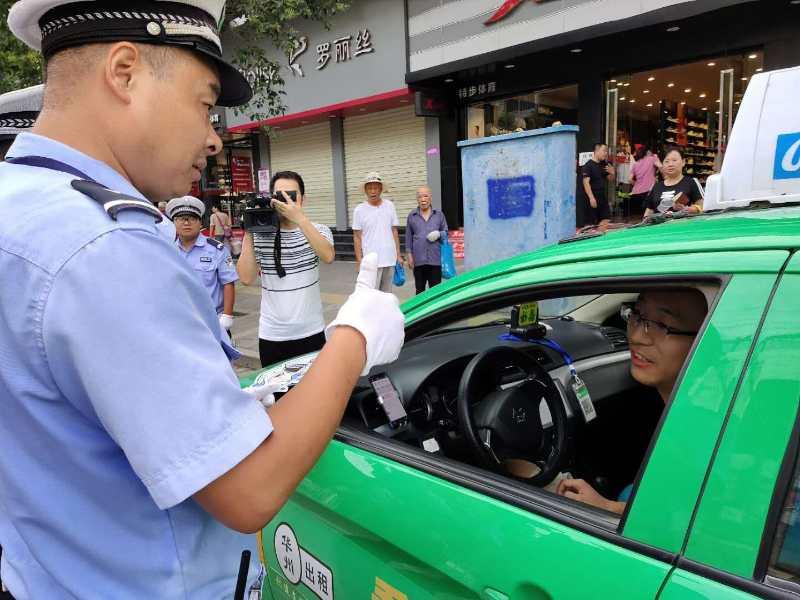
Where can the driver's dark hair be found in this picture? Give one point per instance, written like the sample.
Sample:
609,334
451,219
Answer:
599,145
288,175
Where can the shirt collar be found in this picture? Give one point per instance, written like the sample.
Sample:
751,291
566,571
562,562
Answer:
198,243
31,144
416,211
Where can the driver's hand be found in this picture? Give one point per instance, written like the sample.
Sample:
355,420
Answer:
376,315
578,489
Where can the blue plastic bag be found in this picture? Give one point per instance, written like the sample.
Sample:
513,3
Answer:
399,274
448,260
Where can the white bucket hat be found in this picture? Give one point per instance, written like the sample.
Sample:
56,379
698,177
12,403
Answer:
372,177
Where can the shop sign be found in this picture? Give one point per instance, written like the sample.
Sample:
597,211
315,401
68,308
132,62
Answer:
506,9
428,104
480,89
340,50
241,174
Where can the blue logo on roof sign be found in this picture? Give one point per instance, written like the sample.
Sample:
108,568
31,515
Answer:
787,156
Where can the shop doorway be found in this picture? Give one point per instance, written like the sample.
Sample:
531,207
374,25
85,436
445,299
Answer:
691,106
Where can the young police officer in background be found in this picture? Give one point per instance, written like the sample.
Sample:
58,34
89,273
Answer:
209,259
130,459
291,321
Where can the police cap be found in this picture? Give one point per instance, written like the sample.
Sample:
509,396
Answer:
186,205
19,110
53,25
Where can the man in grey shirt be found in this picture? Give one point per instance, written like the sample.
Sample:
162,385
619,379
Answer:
425,228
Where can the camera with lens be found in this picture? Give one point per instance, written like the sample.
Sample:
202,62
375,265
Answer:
259,216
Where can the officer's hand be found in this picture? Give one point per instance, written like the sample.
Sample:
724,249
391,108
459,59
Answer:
226,321
264,393
289,209
434,236
374,314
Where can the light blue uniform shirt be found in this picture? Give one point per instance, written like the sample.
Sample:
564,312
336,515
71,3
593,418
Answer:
117,402
211,261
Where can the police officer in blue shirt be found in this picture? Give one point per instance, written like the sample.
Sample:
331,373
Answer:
132,464
18,112
209,258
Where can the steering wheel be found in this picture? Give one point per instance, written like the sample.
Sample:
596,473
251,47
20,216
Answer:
504,424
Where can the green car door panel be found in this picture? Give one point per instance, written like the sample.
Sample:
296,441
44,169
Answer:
670,485
368,517
683,585
728,529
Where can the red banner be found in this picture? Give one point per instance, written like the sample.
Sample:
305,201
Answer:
242,174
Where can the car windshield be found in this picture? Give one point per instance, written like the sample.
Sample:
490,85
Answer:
548,309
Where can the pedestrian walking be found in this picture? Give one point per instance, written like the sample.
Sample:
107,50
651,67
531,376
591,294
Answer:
220,225
291,322
426,227
209,258
676,192
643,175
132,464
375,230
18,112
594,177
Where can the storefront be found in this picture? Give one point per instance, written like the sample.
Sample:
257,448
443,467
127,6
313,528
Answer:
349,112
626,72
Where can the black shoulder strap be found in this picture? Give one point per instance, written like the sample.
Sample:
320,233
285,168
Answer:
114,202
216,243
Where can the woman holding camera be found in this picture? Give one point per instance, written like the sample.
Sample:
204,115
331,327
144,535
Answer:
287,259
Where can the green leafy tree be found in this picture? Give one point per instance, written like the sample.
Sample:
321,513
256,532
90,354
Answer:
19,65
251,25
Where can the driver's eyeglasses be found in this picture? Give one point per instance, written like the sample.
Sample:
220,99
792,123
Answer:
655,329
187,219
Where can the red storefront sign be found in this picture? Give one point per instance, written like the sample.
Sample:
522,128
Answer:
506,9
242,174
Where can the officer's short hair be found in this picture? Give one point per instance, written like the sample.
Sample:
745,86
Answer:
288,175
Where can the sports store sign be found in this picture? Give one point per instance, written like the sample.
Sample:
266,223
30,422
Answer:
452,30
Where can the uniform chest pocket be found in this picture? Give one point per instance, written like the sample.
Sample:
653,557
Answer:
207,271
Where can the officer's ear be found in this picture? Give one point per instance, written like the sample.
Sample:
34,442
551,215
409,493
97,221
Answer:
123,66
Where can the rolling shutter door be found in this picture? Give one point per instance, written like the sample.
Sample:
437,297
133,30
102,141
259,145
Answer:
307,150
391,142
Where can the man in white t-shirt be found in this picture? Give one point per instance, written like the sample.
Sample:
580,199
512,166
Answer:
292,321
375,230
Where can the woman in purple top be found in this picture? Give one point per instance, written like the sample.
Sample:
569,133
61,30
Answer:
643,175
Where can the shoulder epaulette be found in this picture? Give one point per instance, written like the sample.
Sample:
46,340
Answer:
216,243
114,202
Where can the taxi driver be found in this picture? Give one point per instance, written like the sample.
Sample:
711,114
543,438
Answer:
662,325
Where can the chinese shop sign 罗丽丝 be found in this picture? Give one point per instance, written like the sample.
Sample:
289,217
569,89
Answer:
340,50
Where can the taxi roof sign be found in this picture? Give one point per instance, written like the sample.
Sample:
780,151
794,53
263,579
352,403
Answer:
762,160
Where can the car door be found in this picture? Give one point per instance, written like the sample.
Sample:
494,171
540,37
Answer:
379,519
745,537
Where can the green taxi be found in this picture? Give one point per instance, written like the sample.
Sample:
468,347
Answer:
433,506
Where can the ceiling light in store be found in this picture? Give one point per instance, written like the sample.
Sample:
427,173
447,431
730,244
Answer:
688,90
449,80
622,97
576,50
613,81
717,100
649,104
673,29
712,64
670,84
704,108
651,78
744,78
645,91
759,69
683,102
703,95
510,66
753,56
737,102
716,113
632,100
627,84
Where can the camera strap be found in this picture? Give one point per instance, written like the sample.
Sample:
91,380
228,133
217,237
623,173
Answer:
276,254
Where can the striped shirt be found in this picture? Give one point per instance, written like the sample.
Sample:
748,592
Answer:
291,306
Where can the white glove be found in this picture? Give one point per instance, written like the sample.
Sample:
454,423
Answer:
376,315
226,321
265,393
434,236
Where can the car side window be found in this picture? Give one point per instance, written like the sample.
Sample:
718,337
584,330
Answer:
784,562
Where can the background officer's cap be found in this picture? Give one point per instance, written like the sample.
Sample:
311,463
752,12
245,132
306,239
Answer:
19,110
53,25
187,205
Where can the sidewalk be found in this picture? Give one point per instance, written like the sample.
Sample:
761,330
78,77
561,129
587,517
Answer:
336,280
